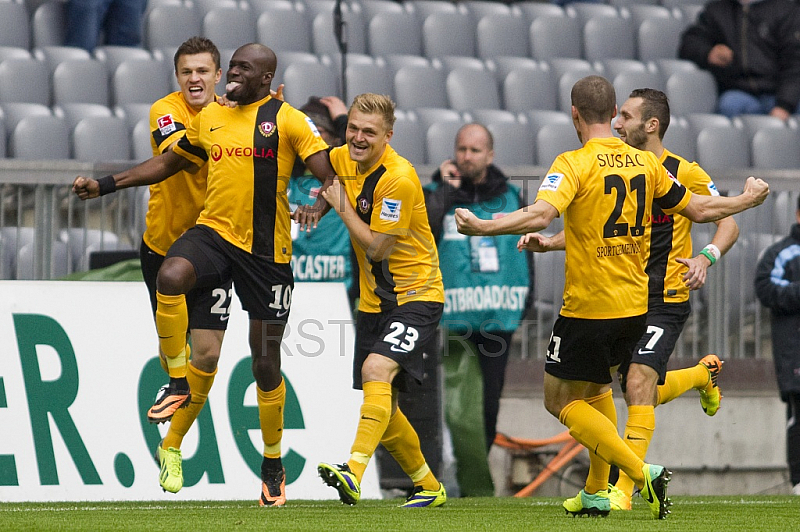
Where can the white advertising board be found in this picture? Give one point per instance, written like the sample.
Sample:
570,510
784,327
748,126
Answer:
78,369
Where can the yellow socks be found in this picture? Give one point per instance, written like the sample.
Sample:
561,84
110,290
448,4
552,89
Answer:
172,320
597,433
402,442
374,419
270,417
638,434
681,381
598,468
200,383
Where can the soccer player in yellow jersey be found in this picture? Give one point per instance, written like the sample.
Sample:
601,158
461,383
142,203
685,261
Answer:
379,197
605,190
242,231
642,122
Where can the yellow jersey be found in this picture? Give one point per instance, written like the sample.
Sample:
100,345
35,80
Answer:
605,190
250,151
389,198
175,203
672,233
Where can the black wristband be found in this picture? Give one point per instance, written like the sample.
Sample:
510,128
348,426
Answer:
107,185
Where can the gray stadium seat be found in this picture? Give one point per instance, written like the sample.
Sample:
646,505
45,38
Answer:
409,138
555,37
554,139
394,33
133,113
536,118
668,66
372,7
140,141
324,41
639,11
565,83
304,81
24,80
754,123
690,12
562,65
375,77
73,113
700,121
284,30
14,25
52,56
776,148
395,61
59,264
33,132
14,52
204,7
692,92
723,147
489,116
47,26
80,242
680,138
417,86
284,60
529,88
502,35
80,81
14,112
584,11
472,89
140,81
168,26
101,138
502,65
448,34
658,38
513,143
427,116
449,63
422,8
261,6
607,37
440,139
113,56
531,10
477,9
229,28
12,239
609,68
625,82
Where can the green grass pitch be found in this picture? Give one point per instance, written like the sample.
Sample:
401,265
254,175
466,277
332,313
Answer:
719,514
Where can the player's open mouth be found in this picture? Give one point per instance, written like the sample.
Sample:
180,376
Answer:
196,91
232,86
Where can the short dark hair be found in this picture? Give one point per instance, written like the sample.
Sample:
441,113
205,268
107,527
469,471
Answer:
655,104
197,45
595,99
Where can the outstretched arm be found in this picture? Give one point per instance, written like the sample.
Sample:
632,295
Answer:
703,209
151,171
528,219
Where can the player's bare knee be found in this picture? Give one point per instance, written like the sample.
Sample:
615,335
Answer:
176,276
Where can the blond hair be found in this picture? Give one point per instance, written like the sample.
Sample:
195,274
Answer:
371,104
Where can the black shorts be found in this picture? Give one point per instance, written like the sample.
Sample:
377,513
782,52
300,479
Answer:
402,334
665,323
586,350
208,307
264,287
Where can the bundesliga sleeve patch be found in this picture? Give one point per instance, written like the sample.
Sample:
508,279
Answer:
390,210
551,182
313,127
712,189
166,125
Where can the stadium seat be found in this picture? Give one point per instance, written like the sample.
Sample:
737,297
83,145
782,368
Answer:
306,80
375,77
324,38
700,121
690,12
168,26
372,7
562,65
14,112
513,143
440,140
530,10
668,66
394,33
141,148
140,81
477,9
204,7
722,147
133,113
427,116
273,6
113,56
408,138
284,60
12,239
80,242
489,116
59,264
627,81
229,27
552,140
692,92
14,52
638,11
680,138
502,35
448,34
472,89
52,56
754,123
608,37
423,8
24,80
449,63
395,61
80,81
73,113
565,83
555,37
536,118
529,88
502,65
418,86
776,148
47,26
40,137
584,11
658,38
101,138
610,68
14,25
